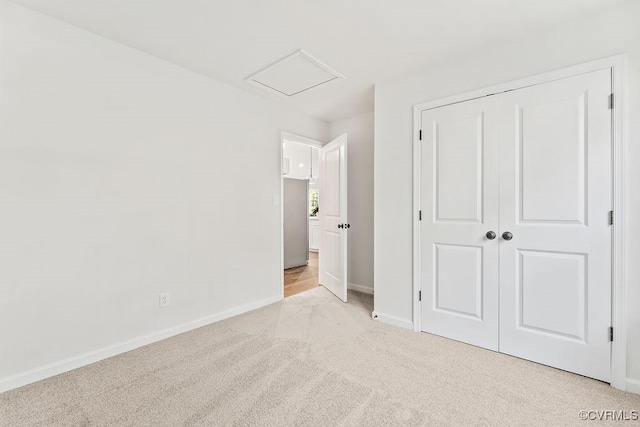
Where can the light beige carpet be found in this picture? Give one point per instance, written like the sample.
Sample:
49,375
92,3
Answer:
311,360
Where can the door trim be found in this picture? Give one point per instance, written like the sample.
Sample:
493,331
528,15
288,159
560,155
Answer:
303,140
618,66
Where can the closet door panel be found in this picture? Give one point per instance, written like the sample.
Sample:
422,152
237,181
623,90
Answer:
555,197
459,182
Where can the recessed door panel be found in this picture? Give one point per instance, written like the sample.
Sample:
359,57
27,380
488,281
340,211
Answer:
552,155
331,201
458,168
332,265
553,293
458,281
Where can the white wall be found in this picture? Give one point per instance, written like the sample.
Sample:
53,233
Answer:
360,197
598,36
121,177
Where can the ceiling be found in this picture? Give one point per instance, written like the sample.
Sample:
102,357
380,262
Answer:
368,41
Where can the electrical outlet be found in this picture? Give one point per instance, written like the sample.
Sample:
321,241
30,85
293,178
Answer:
164,300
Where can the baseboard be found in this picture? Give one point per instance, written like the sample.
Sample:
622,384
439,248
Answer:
392,320
360,288
56,368
633,385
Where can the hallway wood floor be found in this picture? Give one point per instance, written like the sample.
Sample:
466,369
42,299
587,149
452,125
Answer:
300,279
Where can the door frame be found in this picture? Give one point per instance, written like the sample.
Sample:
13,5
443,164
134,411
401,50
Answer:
618,66
292,137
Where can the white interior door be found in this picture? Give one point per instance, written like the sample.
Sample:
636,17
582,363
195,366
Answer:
459,198
555,198
333,217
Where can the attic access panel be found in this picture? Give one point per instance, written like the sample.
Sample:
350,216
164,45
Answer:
294,74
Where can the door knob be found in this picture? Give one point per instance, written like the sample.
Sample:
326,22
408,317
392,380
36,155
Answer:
340,225
491,235
347,226
507,235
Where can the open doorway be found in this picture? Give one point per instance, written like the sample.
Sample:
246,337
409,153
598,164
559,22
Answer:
314,215
301,204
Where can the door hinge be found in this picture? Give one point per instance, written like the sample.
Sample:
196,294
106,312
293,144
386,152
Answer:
611,102
420,135
419,295
419,215
610,217
611,333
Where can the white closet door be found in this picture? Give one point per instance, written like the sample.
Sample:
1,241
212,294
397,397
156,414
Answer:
459,197
555,198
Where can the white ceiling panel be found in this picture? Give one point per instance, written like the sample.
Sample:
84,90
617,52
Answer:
294,74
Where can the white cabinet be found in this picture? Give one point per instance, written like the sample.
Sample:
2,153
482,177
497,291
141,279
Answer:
315,152
314,234
298,156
